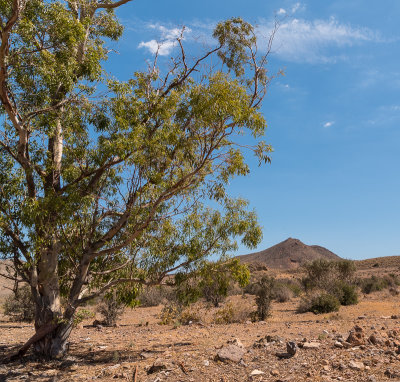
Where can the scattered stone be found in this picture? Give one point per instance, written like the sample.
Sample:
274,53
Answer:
391,374
206,362
338,344
256,372
374,339
236,342
356,365
291,348
158,365
311,345
230,353
394,317
356,336
274,372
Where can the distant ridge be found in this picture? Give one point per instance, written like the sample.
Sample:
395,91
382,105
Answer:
288,254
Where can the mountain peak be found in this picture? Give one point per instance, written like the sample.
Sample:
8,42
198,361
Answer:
288,254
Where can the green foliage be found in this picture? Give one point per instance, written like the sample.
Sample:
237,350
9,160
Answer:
264,296
20,305
212,281
319,303
323,274
346,293
375,283
82,314
104,183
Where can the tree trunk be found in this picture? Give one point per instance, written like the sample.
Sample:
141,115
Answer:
48,309
55,344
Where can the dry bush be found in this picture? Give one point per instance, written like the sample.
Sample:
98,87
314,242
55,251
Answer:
190,315
170,313
282,293
173,313
111,309
233,313
156,295
20,305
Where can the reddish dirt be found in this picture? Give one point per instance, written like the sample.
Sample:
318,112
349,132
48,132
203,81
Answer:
114,353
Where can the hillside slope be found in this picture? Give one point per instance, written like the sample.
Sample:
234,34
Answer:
288,254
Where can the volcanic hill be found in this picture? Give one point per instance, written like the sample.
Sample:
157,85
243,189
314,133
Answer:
288,254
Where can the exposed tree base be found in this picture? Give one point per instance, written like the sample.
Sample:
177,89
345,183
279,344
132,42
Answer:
39,335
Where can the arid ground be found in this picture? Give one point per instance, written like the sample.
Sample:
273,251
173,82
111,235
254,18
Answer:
189,352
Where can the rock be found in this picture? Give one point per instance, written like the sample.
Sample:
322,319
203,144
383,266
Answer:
158,365
338,344
356,336
311,345
230,353
236,342
394,317
266,341
274,372
356,365
291,348
206,362
374,339
256,372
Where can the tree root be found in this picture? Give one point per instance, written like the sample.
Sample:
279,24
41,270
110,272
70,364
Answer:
40,333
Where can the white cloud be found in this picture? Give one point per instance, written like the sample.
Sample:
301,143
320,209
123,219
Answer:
300,40
297,40
281,11
168,39
296,7
328,124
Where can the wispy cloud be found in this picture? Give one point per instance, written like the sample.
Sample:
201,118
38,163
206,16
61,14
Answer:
328,124
297,40
301,40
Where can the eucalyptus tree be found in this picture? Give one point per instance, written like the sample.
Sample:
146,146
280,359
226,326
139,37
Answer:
103,183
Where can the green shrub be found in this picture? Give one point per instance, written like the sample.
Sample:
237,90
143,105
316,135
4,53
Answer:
373,284
20,305
264,296
318,303
346,293
324,303
323,274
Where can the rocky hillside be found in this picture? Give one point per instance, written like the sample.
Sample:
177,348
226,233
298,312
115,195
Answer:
288,254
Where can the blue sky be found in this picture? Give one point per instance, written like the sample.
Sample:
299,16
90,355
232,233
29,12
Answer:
333,119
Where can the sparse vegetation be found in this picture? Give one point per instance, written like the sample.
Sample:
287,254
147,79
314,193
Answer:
319,303
375,283
111,309
346,293
328,285
264,296
233,313
19,306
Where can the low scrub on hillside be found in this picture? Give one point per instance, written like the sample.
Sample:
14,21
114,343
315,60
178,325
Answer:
328,284
375,284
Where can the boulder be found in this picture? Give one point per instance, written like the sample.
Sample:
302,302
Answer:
230,353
